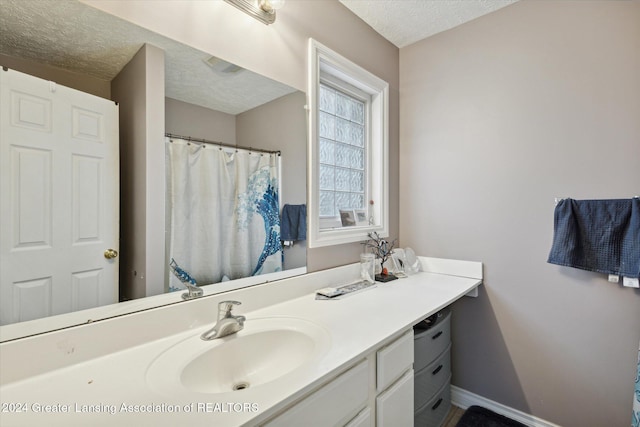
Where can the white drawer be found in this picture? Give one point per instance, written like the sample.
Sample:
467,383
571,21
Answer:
430,343
393,360
333,404
431,378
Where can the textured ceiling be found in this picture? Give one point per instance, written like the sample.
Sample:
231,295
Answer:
404,22
73,36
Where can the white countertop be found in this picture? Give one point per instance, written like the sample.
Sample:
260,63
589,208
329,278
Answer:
112,389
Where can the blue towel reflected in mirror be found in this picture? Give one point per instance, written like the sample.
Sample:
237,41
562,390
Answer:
293,225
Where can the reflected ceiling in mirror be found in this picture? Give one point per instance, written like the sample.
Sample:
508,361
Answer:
72,36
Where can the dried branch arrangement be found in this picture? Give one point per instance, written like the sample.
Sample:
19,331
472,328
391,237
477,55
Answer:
381,248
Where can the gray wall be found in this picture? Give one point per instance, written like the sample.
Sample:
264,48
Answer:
500,116
139,90
182,118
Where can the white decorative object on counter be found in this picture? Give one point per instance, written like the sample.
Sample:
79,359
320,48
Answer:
367,267
412,265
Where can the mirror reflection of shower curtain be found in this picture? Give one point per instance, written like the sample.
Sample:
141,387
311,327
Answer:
224,212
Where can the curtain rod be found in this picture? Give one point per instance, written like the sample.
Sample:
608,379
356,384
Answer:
221,144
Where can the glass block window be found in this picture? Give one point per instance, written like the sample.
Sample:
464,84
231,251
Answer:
348,149
342,151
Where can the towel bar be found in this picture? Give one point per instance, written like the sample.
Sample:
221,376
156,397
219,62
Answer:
557,200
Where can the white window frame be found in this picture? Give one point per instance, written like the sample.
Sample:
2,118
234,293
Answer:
325,63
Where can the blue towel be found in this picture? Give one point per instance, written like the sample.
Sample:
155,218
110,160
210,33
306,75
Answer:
294,222
598,235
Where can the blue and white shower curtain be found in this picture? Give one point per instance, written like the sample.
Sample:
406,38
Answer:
635,417
224,212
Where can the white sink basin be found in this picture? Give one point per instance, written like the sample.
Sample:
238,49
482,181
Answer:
266,350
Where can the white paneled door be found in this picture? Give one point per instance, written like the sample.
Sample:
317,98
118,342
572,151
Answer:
59,199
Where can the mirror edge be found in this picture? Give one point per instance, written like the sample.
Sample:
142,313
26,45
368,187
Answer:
21,330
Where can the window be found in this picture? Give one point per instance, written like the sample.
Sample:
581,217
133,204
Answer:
348,171
342,152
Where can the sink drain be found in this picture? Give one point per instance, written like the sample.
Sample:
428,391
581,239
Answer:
240,386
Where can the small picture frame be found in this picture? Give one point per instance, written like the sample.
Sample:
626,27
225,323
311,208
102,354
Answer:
348,218
361,217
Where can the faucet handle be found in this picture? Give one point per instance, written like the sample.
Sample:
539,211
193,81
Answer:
225,307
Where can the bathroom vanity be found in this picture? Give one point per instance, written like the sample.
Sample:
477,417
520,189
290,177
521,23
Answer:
297,361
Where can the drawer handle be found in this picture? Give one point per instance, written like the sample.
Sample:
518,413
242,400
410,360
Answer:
435,371
435,406
436,335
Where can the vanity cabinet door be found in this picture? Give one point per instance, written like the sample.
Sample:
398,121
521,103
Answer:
362,420
334,404
394,407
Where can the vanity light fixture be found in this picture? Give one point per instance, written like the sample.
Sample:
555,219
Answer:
262,10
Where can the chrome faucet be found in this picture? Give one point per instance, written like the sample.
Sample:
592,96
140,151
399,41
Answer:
193,291
227,323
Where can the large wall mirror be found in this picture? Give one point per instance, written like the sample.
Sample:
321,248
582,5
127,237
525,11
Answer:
167,95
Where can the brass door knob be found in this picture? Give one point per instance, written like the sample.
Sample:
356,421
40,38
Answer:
110,253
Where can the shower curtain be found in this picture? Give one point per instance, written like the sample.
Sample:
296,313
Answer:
224,212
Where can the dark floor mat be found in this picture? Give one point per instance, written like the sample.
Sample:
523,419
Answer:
477,416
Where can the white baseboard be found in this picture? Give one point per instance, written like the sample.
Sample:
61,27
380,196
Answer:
463,399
